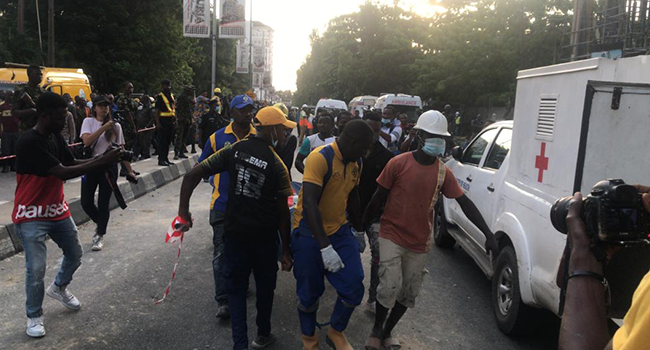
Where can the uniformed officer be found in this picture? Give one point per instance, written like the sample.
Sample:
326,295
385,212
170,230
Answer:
128,107
184,107
25,96
165,121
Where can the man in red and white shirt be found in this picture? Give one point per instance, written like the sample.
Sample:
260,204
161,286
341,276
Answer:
43,162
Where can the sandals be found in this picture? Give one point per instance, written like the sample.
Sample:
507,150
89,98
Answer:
392,344
373,343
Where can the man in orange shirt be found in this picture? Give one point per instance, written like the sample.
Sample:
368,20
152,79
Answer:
409,185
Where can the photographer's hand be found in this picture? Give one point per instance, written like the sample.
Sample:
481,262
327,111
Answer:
646,196
112,156
108,125
584,323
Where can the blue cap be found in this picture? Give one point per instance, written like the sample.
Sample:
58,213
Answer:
240,101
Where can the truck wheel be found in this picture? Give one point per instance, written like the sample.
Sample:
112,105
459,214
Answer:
512,315
441,236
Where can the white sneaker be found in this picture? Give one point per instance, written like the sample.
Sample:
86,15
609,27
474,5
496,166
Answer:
98,242
64,296
35,327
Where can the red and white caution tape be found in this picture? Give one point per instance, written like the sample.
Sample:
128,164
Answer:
176,232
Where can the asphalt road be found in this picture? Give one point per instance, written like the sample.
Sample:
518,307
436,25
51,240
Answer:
117,287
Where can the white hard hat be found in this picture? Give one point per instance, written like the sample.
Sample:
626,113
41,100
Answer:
304,106
432,122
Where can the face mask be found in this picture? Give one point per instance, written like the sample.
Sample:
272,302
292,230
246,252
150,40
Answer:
274,141
385,120
434,146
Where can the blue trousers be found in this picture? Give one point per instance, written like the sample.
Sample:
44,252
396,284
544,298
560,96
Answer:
32,236
310,273
217,220
240,259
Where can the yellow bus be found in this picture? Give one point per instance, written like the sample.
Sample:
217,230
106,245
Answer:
58,80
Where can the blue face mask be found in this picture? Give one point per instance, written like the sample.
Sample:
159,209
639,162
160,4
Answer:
434,147
385,120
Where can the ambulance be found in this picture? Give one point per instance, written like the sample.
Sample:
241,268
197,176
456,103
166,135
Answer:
334,107
403,103
360,103
575,124
58,80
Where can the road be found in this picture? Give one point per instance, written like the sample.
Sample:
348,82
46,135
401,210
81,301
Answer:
117,287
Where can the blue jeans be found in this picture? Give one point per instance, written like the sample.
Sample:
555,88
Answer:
217,221
310,273
240,259
32,236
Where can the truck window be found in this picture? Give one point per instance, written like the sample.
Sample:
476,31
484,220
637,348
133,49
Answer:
475,151
499,150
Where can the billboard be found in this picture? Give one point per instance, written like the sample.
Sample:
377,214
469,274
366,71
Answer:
233,19
243,52
259,60
196,18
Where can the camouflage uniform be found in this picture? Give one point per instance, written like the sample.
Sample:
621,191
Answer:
22,94
183,122
127,105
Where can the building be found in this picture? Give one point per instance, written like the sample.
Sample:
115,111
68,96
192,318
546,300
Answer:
263,61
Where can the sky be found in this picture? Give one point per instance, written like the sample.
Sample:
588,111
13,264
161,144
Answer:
293,22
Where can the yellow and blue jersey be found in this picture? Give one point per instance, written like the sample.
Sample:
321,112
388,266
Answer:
325,167
223,137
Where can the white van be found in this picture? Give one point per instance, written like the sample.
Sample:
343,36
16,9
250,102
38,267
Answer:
334,107
575,124
403,104
360,103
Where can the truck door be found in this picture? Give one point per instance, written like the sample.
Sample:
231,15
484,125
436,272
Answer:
613,144
465,172
487,181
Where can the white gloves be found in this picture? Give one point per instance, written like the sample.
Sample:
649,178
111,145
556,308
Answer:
331,259
361,239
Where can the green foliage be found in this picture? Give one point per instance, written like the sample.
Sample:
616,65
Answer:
468,55
118,40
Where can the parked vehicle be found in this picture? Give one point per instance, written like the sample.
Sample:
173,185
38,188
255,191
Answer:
402,103
58,80
334,107
574,125
360,103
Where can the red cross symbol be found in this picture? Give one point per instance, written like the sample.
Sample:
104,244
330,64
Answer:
541,163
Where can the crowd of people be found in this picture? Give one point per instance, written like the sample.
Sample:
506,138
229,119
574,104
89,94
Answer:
357,190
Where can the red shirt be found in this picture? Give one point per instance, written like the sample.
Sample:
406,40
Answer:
408,215
9,122
39,195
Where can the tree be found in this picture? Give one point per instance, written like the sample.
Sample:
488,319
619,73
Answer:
118,40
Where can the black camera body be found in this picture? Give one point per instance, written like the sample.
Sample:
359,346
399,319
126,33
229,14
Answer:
127,156
613,214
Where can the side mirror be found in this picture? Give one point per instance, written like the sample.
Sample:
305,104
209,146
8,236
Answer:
457,153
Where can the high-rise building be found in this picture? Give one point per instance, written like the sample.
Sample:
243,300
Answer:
263,61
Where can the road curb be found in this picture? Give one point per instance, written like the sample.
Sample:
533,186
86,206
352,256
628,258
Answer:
10,243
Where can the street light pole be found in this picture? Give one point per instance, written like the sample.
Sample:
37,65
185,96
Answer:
50,33
214,49
250,42
21,17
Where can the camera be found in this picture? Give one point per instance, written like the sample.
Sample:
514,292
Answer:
127,156
613,214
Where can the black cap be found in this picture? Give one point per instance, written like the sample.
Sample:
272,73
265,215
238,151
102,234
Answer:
100,99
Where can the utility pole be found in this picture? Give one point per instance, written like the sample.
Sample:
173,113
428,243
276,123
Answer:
21,17
214,49
250,43
50,33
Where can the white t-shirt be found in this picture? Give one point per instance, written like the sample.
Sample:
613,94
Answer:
90,125
395,135
312,142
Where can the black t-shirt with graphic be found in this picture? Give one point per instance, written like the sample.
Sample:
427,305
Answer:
258,179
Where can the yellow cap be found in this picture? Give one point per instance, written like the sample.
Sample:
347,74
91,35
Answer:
217,90
283,108
270,116
215,98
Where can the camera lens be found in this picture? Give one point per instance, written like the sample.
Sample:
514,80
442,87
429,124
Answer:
559,211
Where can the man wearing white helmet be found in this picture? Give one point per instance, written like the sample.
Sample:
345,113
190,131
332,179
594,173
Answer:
409,186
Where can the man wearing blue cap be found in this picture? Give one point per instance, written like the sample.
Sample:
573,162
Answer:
241,110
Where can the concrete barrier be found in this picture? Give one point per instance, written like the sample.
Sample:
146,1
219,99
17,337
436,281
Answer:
10,243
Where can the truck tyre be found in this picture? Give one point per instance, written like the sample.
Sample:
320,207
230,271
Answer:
441,236
512,315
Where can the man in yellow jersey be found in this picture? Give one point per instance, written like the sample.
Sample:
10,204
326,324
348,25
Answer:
584,324
323,244
241,127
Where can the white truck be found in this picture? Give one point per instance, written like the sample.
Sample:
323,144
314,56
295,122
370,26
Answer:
360,103
574,125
